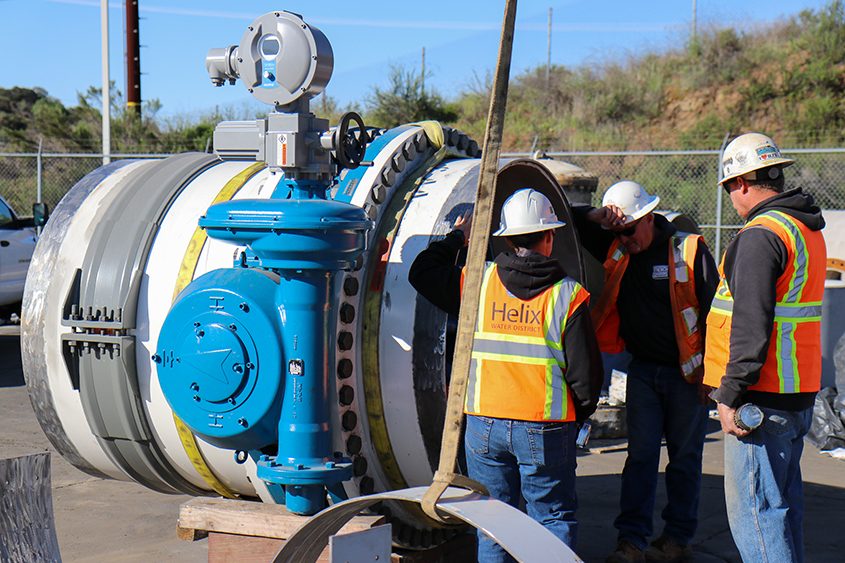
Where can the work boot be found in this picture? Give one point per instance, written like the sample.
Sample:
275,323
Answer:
668,550
626,552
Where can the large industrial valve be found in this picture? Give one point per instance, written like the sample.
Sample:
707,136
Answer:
241,323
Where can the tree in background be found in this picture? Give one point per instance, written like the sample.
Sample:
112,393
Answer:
406,100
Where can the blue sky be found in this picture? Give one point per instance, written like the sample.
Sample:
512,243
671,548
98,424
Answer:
55,44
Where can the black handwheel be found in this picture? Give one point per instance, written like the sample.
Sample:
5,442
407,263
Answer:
349,146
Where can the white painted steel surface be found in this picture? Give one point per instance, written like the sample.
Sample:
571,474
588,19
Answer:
523,537
156,296
421,218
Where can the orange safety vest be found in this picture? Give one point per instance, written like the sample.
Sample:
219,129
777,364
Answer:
518,361
685,307
794,358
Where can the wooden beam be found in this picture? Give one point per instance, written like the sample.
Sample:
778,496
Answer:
247,518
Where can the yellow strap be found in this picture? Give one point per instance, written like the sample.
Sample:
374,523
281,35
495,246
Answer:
186,275
434,131
476,258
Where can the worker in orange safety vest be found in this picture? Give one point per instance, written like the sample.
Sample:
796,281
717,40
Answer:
535,370
658,285
763,350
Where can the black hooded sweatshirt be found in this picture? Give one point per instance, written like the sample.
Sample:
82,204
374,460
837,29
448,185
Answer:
753,262
436,277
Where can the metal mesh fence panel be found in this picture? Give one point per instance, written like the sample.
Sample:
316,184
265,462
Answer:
686,181
58,173
18,181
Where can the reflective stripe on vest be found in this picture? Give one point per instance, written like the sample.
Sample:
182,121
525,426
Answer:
793,363
504,361
685,309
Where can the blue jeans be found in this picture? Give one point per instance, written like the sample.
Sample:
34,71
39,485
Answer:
763,489
536,459
660,403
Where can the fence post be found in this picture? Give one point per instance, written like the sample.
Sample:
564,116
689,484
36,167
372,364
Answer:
719,193
39,167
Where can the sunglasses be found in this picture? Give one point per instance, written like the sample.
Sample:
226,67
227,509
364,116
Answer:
629,231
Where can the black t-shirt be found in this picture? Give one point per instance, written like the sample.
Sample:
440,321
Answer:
644,303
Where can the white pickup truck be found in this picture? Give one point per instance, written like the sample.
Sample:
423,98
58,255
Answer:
17,241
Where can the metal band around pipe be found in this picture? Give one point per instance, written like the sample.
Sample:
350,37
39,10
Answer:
185,276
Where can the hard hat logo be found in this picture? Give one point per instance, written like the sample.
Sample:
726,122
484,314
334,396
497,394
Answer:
527,211
768,152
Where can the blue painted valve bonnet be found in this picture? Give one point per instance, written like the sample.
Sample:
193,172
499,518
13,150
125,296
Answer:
292,233
218,357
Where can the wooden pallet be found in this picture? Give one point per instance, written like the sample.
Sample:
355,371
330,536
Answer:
253,532
248,532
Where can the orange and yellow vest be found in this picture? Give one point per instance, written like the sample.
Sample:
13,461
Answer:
793,360
518,360
685,307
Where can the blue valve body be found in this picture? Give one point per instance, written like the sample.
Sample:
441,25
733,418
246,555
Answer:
300,244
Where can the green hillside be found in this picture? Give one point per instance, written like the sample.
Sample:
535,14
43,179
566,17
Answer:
787,80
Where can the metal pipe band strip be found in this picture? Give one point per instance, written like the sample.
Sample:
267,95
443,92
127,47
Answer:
33,338
108,287
186,274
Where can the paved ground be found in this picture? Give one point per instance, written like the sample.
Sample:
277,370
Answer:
99,520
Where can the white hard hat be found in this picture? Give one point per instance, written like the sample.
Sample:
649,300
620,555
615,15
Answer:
631,198
748,153
527,211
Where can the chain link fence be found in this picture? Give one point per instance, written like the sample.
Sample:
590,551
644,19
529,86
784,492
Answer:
29,177
684,180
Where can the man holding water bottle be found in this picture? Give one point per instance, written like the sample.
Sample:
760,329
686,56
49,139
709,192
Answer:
763,348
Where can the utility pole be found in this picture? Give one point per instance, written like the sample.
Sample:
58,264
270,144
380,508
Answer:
106,97
694,22
133,59
422,73
549,52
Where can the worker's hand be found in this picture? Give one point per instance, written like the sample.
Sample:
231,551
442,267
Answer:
609,217
464,224
726,417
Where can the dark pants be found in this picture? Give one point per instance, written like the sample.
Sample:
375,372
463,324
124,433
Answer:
660,403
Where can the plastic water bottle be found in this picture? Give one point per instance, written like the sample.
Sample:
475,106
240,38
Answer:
748,417
583,434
